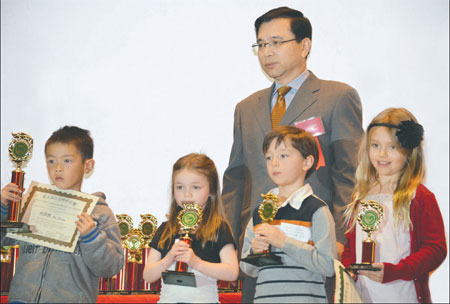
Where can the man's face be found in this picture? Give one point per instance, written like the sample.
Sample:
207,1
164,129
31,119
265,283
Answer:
288,60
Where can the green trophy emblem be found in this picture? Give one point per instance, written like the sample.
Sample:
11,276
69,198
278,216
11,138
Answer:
148,227
370,216
20,148
125,225
189,217
268,208
370,219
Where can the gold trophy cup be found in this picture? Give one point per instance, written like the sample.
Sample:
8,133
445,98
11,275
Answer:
369,218
134,244
148,227
189,218
20,150
267,211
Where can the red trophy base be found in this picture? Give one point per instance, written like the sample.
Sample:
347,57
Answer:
368,257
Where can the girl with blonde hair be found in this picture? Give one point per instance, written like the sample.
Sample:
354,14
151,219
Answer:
212,255
410,240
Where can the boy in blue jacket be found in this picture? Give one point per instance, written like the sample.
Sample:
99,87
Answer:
48,275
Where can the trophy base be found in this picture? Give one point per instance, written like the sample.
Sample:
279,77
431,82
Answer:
369,267
179,278
263,259
15,227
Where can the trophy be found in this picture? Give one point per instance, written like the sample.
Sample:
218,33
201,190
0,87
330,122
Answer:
267,211
8,259
188,218
134,260
20,150
134,245
125,223
369,217
148,227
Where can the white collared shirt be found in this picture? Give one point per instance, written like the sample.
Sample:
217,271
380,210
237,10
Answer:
295,199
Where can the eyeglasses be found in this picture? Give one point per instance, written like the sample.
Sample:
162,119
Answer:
273,44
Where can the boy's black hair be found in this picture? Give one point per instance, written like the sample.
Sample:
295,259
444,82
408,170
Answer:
81,138
300,140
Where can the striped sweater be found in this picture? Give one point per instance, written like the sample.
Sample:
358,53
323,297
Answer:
307,253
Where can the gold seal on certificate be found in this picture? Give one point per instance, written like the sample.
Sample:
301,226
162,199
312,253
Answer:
20,150
189,218
369,218
267,211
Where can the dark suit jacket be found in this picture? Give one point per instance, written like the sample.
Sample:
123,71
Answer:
246,177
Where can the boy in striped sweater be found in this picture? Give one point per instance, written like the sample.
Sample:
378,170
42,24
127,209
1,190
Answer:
302,232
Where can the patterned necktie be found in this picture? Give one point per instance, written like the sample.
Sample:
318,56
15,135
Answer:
280,106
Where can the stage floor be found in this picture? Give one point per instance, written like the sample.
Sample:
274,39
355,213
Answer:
231,297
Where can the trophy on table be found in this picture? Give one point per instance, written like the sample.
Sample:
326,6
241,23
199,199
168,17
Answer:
267,211
134,245
134,266
20,150
125,223
148,227
189,218
369,218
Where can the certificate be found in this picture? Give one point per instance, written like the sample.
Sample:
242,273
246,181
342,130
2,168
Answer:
51,213
346,290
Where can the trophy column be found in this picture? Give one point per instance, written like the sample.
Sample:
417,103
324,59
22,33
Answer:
20,150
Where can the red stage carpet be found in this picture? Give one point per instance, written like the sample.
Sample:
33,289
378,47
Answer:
232,297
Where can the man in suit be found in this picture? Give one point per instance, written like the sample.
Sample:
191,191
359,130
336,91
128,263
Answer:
283,44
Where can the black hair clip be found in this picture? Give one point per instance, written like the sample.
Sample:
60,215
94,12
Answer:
409,134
